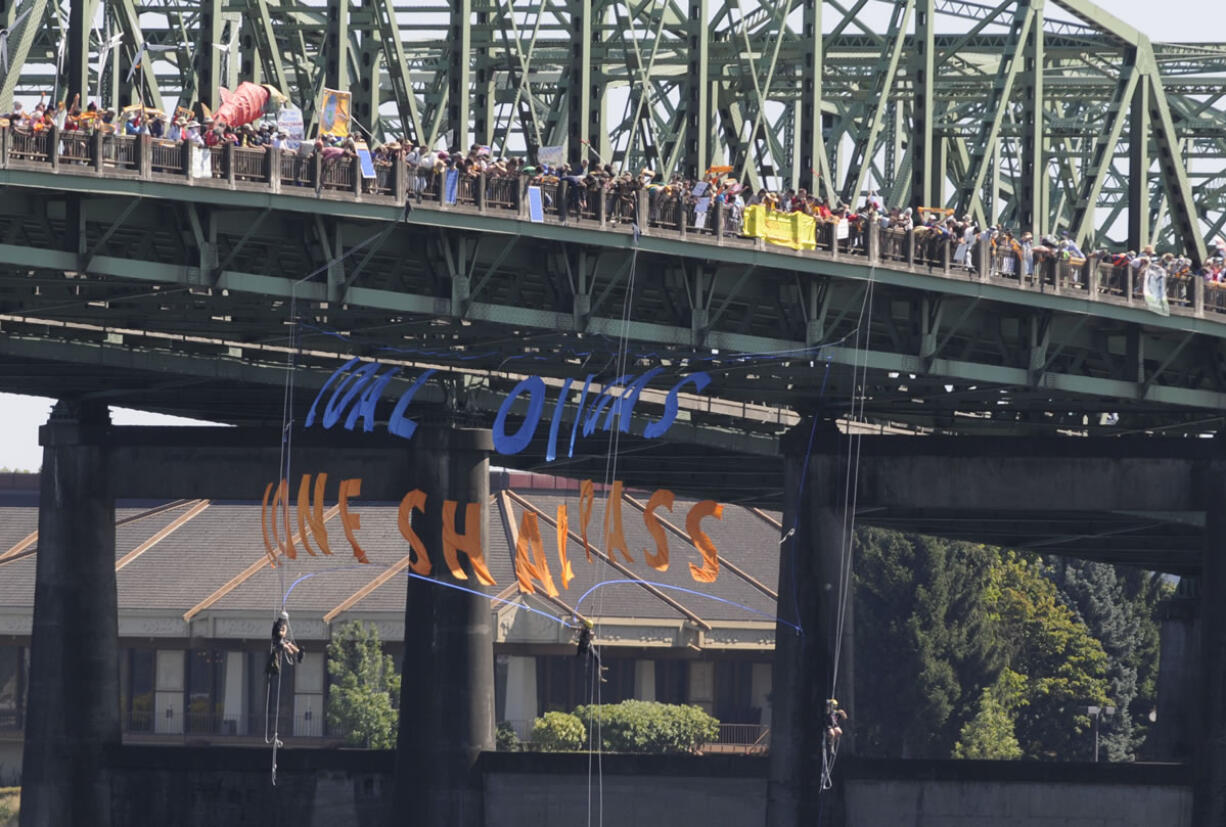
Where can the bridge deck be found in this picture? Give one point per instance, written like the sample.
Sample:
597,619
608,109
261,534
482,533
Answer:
117,264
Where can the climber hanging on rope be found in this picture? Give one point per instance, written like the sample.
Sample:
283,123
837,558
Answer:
835,716
585,647
281,646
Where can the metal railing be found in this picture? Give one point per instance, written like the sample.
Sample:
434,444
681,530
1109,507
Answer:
609,204
74,148
167,157
217,161
123,150
741,738
337,174
30,146
250,164
502,192
296,169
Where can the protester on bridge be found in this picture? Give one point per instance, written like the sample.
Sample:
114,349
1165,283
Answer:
281,646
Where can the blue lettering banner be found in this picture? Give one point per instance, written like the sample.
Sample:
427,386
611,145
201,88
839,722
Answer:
354,390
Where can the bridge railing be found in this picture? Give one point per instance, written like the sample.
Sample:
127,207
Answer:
607,205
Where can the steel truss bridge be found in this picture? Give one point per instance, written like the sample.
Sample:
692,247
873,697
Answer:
1045,114
125,280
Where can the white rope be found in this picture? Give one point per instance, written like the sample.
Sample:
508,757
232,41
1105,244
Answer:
595,691
851,493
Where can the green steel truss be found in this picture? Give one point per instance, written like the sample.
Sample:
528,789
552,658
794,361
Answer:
1044,114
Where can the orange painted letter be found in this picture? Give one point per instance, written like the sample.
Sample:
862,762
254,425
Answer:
469,542
421,558
614,536
710,555
281,500
313,520
351,522
272,553
658,560
534,567
568,574
587,496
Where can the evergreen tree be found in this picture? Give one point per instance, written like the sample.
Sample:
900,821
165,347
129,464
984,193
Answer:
1119,606
926,649
990,735
365,688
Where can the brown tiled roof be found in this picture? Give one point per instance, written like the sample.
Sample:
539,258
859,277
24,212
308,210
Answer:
194,552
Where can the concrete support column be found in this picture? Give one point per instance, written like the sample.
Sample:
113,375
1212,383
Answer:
73,713
809,586
447,693
1209,790
1173,735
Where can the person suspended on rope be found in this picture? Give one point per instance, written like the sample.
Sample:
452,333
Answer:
585,647
835,717
281,645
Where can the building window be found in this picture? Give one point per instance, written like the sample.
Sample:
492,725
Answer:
619,680
12,688
139,707
560,684
206,677
672,681
262,701
734,692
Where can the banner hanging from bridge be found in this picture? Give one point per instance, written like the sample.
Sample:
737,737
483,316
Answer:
795,230
334,113
1155,291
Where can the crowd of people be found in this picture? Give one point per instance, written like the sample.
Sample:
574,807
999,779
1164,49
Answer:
671,202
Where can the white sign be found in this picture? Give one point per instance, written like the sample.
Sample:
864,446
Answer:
554,156
289,120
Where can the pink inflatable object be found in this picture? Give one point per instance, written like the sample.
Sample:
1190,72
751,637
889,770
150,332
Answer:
243,105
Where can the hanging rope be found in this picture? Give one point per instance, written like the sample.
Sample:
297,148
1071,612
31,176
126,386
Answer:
830,742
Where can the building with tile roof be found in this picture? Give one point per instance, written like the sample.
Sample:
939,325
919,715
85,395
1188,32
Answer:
197,594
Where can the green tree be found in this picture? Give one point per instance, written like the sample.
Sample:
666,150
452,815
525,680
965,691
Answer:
990,734
1064,667
1119,607
365,688
925,645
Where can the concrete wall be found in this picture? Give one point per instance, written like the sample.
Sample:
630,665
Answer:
969,804
969,794
10,762
204,787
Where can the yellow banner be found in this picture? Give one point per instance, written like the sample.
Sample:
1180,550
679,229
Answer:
795,230
334,114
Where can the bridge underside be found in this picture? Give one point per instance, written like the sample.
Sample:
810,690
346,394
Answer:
206,286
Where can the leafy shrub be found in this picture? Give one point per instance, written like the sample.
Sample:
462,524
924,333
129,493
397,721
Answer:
650,727
506,738
558,732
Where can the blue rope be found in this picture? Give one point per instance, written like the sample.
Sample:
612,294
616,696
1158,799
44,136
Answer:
425,579
804,476
683,590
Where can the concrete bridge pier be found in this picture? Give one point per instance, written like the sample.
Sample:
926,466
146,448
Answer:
447,690
1209,792
73,712
1173,736
811,570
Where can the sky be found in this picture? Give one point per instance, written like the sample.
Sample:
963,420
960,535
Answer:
20,416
